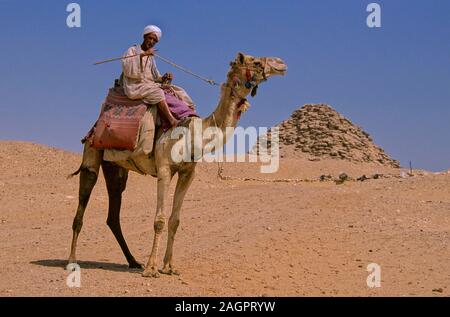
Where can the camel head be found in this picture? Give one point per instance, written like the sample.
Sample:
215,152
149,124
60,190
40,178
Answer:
247,72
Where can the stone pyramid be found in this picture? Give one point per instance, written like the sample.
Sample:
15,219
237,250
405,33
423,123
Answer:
318,131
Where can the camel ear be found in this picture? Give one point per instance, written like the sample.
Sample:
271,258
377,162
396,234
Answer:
254,91
240,58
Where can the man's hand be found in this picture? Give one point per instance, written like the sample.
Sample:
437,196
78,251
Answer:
148,52
167,77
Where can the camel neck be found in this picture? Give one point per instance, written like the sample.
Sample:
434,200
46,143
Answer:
225,114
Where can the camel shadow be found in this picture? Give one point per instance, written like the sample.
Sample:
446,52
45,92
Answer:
89,265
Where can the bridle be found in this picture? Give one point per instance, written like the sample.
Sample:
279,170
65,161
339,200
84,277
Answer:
251,80
250,77
250,83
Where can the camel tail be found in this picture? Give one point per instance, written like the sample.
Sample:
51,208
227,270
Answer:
75,173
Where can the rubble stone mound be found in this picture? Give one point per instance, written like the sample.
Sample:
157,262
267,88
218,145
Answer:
321,132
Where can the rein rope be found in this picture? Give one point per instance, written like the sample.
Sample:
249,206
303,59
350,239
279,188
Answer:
209,81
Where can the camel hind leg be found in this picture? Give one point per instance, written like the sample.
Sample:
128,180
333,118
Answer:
88,177
116,179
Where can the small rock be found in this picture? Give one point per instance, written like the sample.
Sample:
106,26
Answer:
438,290
362,178
324,177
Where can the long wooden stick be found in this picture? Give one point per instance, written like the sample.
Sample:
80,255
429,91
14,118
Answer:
209,81
115,59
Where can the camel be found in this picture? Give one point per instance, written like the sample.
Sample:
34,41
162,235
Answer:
242,79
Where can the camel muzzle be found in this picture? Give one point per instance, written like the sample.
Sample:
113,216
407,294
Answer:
275,66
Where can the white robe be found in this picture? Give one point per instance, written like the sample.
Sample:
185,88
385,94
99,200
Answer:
139,80
139,77
139,83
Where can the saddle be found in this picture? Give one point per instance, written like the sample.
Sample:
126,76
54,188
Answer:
120,118
117,126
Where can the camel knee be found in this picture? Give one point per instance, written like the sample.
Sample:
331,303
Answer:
159,224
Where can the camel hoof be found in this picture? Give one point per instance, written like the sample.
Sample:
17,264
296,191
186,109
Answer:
169,271
136,265
71,261
151,273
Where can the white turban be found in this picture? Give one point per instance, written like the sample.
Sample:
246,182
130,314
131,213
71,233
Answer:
153,29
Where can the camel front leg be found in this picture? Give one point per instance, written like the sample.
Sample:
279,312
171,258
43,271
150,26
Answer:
185,179
164,178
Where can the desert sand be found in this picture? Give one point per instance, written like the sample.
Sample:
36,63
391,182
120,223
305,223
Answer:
236,238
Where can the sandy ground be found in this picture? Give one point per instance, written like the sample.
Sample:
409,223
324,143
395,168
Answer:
236,238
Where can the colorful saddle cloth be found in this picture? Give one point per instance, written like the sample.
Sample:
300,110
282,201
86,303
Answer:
118,124
120,117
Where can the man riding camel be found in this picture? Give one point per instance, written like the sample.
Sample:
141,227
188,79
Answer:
142,80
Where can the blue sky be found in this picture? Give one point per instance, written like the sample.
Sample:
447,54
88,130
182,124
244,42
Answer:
393,81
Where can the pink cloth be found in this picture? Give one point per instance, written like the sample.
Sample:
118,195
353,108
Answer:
178,108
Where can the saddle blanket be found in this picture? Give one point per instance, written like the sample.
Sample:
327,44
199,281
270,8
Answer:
120,118
118,123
